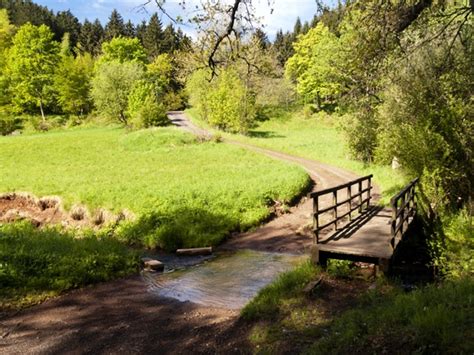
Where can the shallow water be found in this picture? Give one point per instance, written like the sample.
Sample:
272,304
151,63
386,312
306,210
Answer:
226,281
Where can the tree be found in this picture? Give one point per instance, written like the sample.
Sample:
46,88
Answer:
297,28
261,38
314,66
283,46
115,27
226,102
73,83
90,37
144,107
66,22
31,65
111,87
130,30
6,36
122,49
169,43
152,37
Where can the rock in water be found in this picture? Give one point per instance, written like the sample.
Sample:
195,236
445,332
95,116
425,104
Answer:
152,264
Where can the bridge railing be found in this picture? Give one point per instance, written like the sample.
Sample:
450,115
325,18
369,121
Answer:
403,208
353,200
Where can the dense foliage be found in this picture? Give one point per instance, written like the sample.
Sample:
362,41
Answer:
41,76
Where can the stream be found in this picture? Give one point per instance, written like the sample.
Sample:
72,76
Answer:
226,280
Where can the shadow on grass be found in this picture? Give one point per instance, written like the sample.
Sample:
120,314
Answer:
35,263
264,134
177,228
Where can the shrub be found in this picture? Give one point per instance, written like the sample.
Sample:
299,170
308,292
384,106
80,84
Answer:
226,102
111,87
144,109
8,122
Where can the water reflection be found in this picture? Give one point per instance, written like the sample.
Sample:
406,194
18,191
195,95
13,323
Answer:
227,281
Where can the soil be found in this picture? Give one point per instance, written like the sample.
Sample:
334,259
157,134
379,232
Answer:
122,317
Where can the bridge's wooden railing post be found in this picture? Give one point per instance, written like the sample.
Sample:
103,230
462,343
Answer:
334,202
360,197
316,219
349,201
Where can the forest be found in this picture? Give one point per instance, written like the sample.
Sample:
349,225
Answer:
367,86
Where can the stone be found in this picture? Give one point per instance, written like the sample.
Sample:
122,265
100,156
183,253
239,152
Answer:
395,163
152,264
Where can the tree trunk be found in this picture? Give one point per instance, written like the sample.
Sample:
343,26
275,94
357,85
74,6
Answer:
42,112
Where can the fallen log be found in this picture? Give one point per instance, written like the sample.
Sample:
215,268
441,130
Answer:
194,251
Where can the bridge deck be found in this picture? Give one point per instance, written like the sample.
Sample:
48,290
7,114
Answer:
365,238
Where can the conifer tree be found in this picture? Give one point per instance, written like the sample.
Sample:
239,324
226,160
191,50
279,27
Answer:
115,27
169,43
130,30
153,37
68,23
91,37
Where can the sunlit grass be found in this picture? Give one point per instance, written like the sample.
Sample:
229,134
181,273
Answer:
317,137
184,193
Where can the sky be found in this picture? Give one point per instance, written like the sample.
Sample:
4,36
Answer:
284,13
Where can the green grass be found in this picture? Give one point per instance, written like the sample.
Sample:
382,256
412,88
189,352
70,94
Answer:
184,193
431,319
318,138
267,303
40,263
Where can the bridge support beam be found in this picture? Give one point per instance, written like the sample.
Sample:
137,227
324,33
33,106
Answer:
383,266
316,256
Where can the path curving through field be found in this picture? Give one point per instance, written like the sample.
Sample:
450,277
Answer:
291,232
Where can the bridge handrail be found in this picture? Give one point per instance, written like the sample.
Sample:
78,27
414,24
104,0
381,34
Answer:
335,204
401,214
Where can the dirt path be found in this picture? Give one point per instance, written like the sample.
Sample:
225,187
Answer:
122,317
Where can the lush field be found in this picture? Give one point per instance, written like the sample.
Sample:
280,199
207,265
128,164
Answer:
39,263
317,137
184,193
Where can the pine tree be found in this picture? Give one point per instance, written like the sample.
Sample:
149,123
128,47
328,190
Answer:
261,38
130,30
91,37
140,31
153,37
297,28
115,27
283,46
68,23
169,43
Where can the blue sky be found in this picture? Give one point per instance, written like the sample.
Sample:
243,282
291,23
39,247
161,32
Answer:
284,14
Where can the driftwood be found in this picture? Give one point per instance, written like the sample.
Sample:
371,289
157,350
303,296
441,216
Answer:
194,251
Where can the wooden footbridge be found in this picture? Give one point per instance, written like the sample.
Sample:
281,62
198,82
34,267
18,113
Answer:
361,231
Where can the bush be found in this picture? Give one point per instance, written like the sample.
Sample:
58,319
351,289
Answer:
111,87
144,109
226,102
8,122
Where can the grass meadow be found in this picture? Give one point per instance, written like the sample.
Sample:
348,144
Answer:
316,137
184,193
